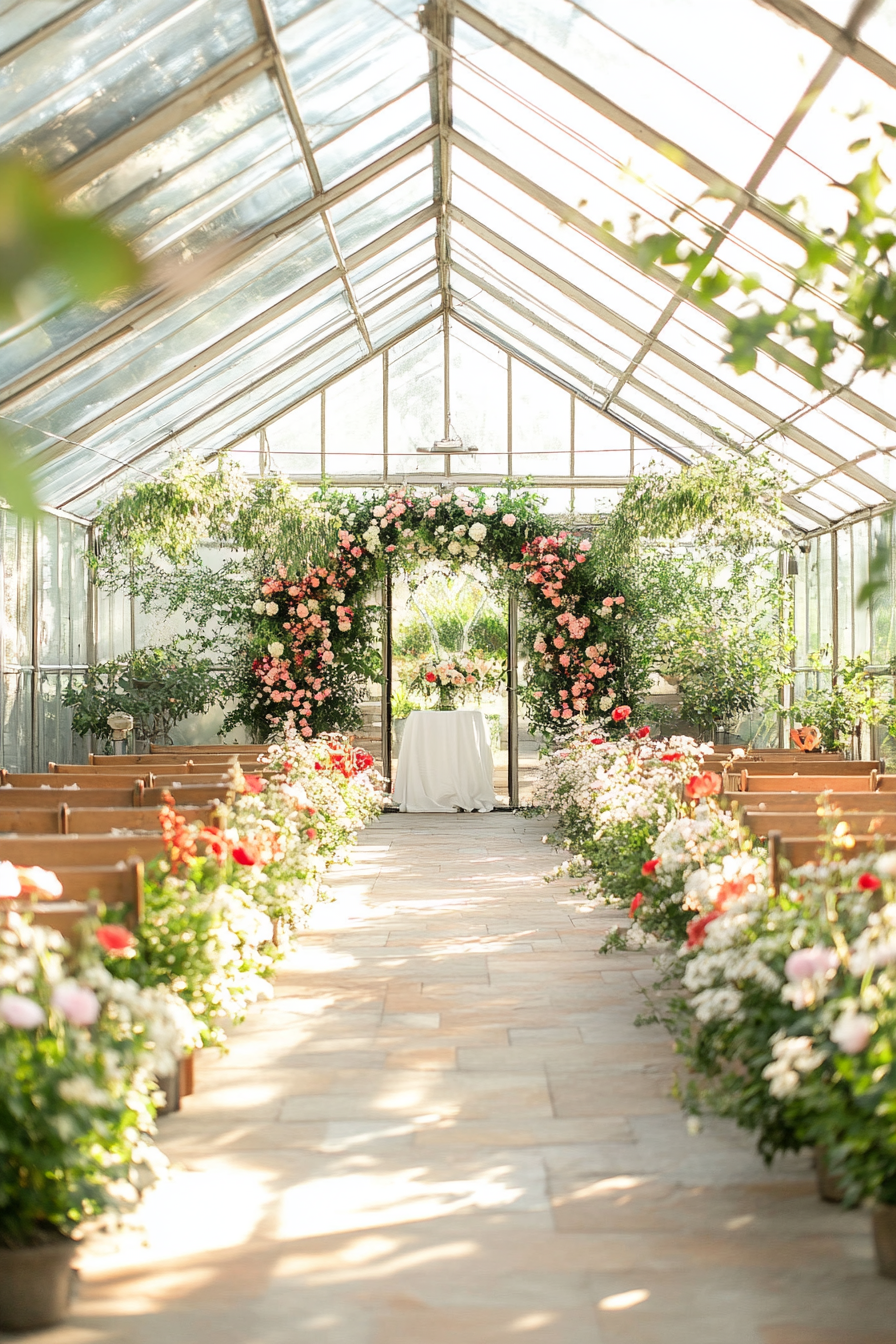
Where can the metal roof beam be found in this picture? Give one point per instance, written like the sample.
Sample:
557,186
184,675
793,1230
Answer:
437,26
209,88
673,357
237,336
849,45
144,306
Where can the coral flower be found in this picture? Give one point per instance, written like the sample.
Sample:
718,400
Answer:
253,783
245,855
649,868
697,929
637,900
115,938
703,786
621,713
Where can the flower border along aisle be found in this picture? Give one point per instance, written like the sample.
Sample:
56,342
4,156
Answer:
314,647
782,1003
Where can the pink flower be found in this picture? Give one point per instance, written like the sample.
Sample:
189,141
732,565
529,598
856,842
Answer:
509,519
555,713
39,882
559,641
620,601
584,544
78,1005
621,713
514,564
567,712
489,510
564,660
430,513
701,786
328,656
18,1011
852,1032
538,694
607,602
808,962
306,731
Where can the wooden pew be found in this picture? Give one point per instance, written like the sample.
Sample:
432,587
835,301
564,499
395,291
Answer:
173,762
887,784
846,800
102,820
220,747
33,820
188,795
77,851
38,798
802,823
818,766
813,784
799,850
85,779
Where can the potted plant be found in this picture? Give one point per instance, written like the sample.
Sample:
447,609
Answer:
839,710
79,1051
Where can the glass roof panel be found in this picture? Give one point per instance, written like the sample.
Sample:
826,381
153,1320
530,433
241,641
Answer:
386,200
108,66
404,311
348,58
686,114
375,135
22,18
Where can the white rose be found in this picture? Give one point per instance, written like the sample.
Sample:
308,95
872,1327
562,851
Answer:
275,649
379,511
258,608
460,530
852,1032
455,547
478,531
439,531
271,609
605,702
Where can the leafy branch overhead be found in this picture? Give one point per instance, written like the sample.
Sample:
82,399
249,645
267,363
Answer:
843,294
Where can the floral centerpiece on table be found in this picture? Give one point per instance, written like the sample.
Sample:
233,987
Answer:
456,677
79,1051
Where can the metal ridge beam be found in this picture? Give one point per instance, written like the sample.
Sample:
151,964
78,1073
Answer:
145,304
208,88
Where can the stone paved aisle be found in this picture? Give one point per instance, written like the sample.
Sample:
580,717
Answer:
445,1129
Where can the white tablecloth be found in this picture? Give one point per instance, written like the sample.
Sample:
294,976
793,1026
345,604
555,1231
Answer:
445,762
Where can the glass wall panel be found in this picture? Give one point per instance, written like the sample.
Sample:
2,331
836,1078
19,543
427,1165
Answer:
541,422
416,400
602,448
478,400
353,422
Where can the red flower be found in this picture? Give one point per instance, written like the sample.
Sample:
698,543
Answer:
649,868
697,929
637,900
868,882
215,843
115,938
597,741
430,676
253,784
672,756
311,833
702,786
621,713
363,760
732,890
245,855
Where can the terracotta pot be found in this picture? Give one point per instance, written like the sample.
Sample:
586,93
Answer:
883,1219
35,1284
829,1187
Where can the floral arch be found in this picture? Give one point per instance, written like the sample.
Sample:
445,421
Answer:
315,644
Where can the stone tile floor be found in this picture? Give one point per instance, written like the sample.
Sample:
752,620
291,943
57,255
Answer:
445,1127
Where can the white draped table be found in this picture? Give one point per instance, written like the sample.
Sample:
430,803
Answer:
445,762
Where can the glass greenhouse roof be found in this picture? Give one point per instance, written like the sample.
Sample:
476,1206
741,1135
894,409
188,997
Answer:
361,218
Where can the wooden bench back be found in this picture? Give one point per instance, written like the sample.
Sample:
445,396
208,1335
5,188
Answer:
84,777
887,784
19,799
33,820
802,824
216,747
102,820
143,764
190,795
119,883
812,784
803,849
77,851
806,802
809,767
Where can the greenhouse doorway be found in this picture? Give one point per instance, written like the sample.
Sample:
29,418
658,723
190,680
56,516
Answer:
433,615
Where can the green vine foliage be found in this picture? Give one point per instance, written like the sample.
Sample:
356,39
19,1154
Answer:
854,266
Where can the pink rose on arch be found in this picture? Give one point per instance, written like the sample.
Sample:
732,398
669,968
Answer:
430,513
538,694
514,564
584,544
567,713
78,1004
509,519
328,656
607,602
555,713
564,660
852,1032
489,510
306,731
559,642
